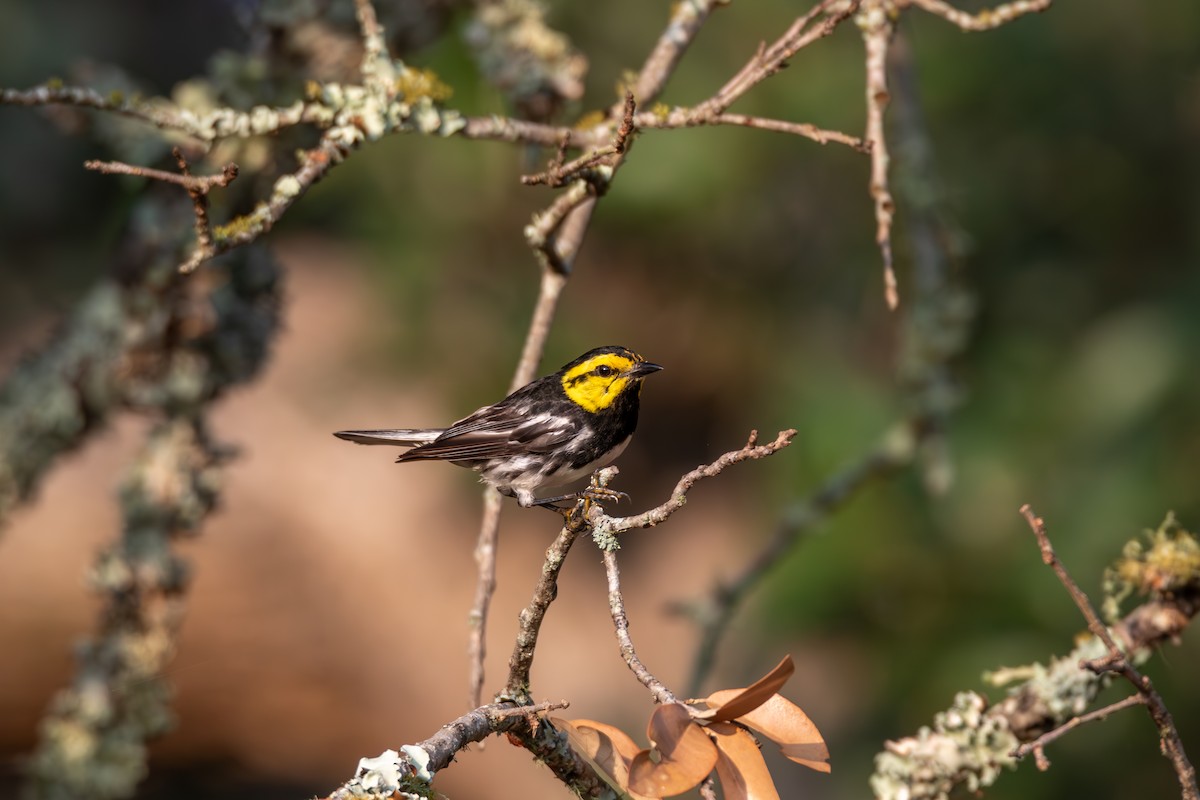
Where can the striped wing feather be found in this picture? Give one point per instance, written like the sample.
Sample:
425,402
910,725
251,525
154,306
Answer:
499,431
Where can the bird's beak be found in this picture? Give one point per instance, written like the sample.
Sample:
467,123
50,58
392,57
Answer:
642,369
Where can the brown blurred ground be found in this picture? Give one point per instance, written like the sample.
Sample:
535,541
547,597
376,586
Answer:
327,620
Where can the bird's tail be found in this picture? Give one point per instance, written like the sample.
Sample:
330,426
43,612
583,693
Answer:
397,437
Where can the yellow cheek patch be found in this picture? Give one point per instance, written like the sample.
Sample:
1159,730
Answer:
593,392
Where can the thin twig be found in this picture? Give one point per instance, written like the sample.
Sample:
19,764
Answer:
540,233
532,615
819,135
556,233
1038,744
877,26
485,587
197,188
1117,662
315,163
616,606
687,17
1050,559
559,174
193,183
982,20
628,126
603,524
691,117
770,60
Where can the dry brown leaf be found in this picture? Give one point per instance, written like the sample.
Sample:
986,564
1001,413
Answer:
608,749
685,754
814,756
743,773
736,702
784,722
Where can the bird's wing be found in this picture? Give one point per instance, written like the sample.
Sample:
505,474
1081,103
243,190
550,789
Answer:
498,431
399,437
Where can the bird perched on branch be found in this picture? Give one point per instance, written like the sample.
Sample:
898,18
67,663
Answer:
550,432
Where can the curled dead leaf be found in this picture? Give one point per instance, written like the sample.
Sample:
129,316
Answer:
741,701
784,722
608,750
686,755
740,766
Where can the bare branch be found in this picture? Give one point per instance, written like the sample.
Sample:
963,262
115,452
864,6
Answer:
971,743
533,614
877,26
559,174
119,698
1118,662
197,189
201,184
687,17
575,203
414,766
1037,745
1050,559
485,587
506,129
604,525
286,191
687,118
983,20
616,606
477,725
770,60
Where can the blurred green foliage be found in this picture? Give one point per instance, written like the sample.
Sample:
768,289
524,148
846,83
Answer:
745,261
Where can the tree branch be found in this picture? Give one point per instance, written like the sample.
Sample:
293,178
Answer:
1117,661
119,698
616,606
604,526
971,743
1036,747
531,617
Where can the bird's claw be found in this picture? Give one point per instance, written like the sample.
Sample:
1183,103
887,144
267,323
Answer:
598,493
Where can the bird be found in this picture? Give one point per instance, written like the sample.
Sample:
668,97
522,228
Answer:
550,432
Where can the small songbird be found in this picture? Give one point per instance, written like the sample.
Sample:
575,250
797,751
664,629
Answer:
550,432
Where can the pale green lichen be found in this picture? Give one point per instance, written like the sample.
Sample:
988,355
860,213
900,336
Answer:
244,225
533,64
414,84
288,186
1062,689
965,746
1167,563
389,775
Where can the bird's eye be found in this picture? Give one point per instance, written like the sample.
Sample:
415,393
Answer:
604,371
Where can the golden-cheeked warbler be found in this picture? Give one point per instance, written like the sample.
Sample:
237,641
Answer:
550,432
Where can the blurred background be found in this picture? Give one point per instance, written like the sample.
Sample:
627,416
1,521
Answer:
327,620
